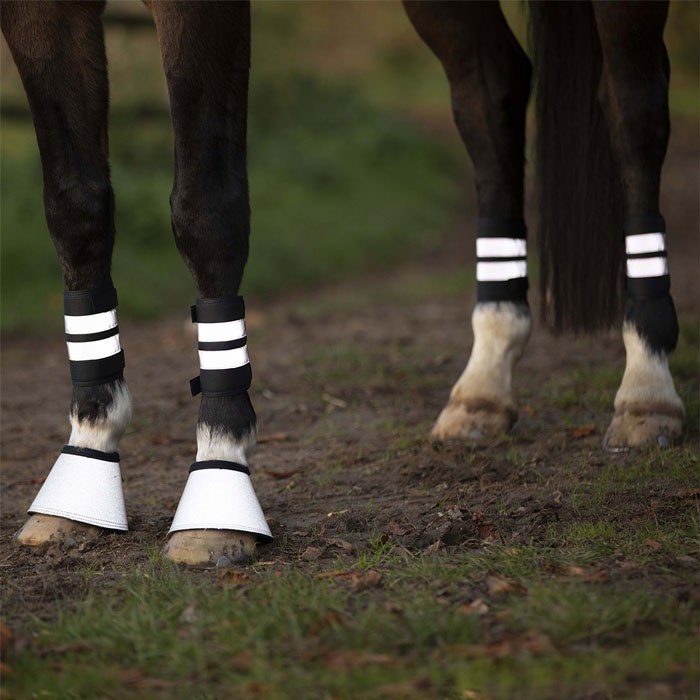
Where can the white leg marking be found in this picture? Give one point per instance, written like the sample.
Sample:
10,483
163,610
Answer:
648,411
213,443
482,400
105,433
647,380
218,541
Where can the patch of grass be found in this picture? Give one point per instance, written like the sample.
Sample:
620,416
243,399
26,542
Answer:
592,388
279,632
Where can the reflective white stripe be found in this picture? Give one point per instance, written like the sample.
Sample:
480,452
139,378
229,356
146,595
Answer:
501,247
500,271
223,359
94,323
647,267
94,349
220,332
645,243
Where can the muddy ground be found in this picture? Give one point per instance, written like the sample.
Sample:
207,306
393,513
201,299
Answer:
347,383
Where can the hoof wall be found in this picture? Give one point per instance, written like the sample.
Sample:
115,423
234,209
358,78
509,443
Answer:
643,429
473,420
40,529
209,548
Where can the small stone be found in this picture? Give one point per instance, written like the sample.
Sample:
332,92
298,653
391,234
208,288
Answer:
223,562
663,441
69,543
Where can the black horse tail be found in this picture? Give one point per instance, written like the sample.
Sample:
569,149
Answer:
579,191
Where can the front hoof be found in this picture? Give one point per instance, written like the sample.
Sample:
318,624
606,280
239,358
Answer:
40,529
639,427
473,420
208,548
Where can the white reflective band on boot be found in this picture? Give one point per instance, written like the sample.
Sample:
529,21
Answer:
220,499
85,486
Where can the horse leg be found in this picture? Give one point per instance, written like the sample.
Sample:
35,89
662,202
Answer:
635,100
205,49
489,77
59,52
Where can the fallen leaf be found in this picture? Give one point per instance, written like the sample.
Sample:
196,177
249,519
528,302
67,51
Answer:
484,529
434,548
344,660
273,437
5,640
499,586
527,408
535,642
311,553
228,577
243,662
582,431
334,401
337,512
652,544
336,542
333,618
357,580
259,690
189,614
476,607
403,691
589,575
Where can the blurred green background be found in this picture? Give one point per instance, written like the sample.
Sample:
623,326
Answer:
354,163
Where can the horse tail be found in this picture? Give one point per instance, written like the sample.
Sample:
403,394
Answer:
579,189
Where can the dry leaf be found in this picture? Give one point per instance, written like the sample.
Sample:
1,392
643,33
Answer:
312,553
357,580
189,614
333,618
476,607
582,431
499,586
334,401
273,437
344,660
229,577
589,575
243,662
653,545
434,548
5,640
335,542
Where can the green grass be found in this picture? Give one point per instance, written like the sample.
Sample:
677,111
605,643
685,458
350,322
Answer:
282,632
336,186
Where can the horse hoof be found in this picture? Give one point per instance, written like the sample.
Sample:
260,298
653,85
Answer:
637,428
473,420
204,548
40,529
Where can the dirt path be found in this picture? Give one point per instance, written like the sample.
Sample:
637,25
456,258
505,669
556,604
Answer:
347,385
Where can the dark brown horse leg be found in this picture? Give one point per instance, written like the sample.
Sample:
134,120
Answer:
635,100
59,51
206,57
489,77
